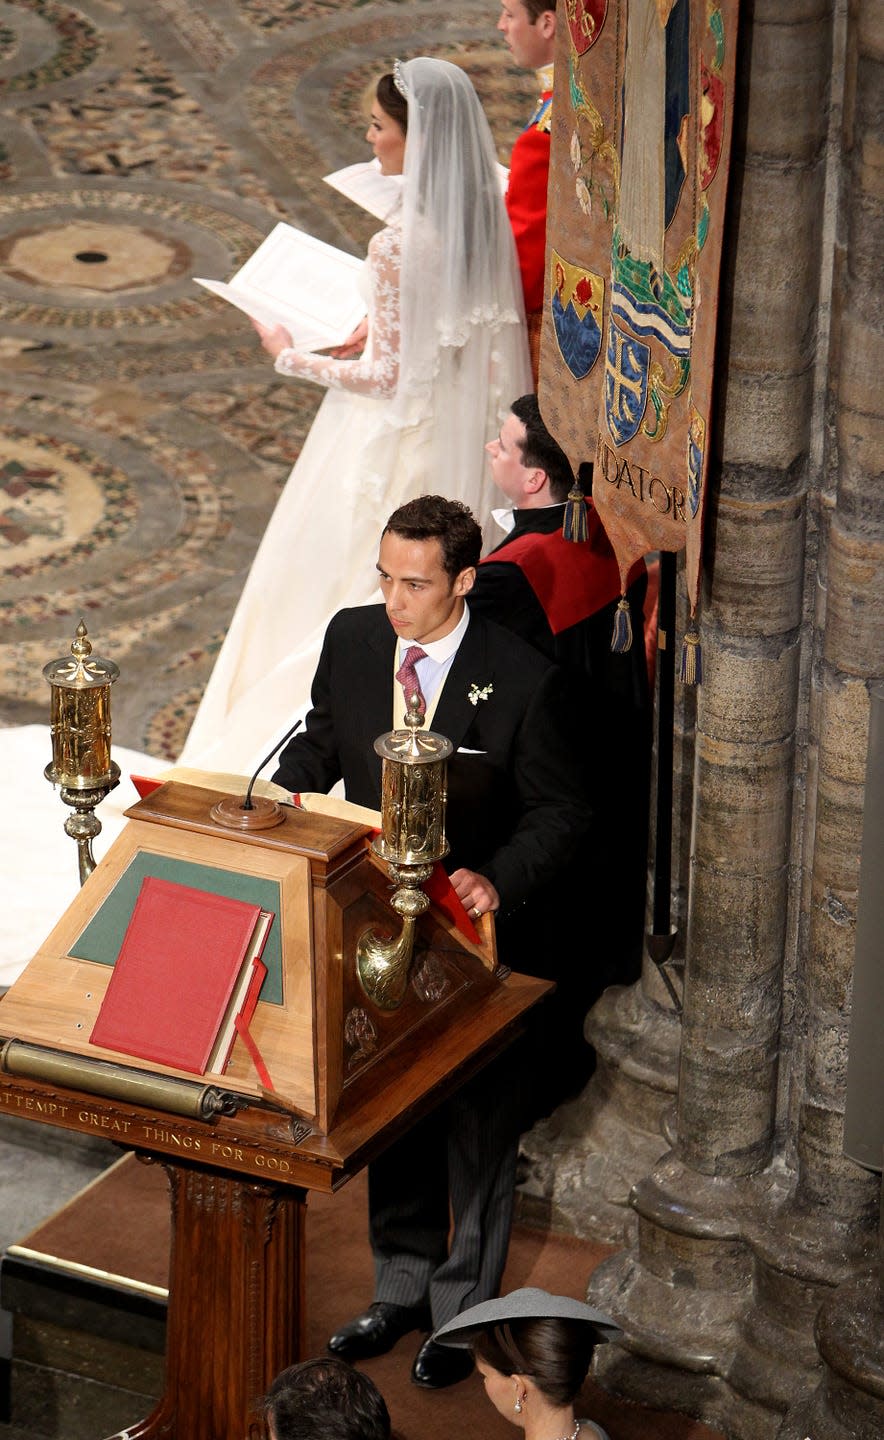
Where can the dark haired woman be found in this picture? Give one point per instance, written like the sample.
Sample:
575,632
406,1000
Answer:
445,352
533,1351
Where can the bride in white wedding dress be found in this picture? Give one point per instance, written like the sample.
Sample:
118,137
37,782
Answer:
445,353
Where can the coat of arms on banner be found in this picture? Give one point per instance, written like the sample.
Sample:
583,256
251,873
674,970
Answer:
576,309
585,19
642,115
626,383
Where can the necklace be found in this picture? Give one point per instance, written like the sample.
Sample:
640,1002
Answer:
574,1433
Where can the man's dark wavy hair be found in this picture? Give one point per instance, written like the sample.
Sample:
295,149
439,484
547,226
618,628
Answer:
540,450
432,517
326,1399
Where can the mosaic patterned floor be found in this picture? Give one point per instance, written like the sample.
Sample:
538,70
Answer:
143,435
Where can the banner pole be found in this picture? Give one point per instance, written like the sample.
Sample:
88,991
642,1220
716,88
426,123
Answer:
662,938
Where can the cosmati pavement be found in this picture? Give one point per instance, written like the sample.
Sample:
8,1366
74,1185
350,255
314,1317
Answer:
144,437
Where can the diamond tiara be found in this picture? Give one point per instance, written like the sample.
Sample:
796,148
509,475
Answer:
399,80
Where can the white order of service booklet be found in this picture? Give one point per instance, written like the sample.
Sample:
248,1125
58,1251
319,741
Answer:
300,282
368,187
377,193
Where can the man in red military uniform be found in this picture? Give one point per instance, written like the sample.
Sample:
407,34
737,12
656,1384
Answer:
529,28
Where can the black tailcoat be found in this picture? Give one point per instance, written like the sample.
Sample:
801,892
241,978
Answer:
516,807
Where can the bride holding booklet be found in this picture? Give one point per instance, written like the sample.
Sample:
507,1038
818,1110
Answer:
445,352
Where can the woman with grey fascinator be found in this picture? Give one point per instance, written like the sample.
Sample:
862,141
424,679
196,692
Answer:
445,351
533,1352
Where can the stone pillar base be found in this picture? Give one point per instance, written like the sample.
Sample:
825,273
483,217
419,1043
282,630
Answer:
798,1260
849,1401
683,1298
584,1160
773,1364
634,1377
706,1397
679,1299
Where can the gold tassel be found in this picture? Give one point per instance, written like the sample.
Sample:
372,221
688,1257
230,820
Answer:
691,658
575,525
621,641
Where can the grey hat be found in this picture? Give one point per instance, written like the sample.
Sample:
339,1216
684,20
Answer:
526,1304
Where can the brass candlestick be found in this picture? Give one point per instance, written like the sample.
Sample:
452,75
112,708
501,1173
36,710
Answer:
80,724
412,839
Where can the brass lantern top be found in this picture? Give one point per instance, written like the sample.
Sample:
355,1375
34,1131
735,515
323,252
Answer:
413,746
80,721
81,670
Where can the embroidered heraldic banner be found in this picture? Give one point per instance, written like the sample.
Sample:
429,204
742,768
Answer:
641,127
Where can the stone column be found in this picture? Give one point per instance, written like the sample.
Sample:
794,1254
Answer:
583,1162
681,1297
824,1235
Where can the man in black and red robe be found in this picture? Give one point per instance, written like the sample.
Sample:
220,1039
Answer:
562,597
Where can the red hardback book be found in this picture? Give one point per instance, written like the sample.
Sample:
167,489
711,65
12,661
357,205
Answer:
178,966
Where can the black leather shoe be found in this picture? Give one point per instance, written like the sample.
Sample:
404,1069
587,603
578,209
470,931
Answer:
377,1330
436,1366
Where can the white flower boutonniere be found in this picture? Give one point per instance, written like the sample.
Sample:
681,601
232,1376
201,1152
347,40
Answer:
477,693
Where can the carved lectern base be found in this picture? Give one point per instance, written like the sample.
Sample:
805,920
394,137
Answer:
235,1316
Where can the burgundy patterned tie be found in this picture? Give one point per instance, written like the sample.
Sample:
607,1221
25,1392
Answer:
407,677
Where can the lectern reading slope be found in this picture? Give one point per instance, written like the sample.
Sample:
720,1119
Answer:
323,1042
346,1077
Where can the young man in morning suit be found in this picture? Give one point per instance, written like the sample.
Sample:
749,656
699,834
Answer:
529,29
515,814
562,597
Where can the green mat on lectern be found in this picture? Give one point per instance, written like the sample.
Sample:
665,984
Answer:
103,936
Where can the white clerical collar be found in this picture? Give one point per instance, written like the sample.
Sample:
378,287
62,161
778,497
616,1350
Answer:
447,645
506,519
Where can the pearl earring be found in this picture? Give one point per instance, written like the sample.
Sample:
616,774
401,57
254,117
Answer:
518,1406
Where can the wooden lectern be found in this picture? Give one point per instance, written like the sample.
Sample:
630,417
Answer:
347,1077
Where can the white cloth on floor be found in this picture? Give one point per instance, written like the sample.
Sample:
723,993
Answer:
39,875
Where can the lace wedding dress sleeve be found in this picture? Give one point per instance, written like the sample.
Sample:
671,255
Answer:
376,372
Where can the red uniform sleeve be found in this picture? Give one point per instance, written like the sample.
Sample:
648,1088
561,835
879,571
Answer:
526,206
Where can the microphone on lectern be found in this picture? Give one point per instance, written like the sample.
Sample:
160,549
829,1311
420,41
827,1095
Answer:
247,803
249,814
